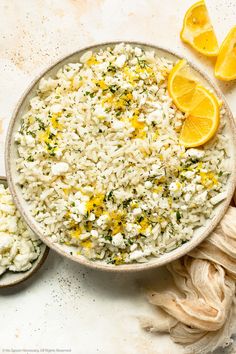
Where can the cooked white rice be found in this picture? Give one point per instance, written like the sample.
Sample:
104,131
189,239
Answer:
100,162
19,246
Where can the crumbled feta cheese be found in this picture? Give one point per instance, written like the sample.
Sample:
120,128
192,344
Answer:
190,188
201,198
102,220
156,168
30,141
189,174
118,241
117,124
148,184
59,168
187,197
56,108
195,153
94,233
155,116
163,203
133,229
137,51
121,59
91,217
81,208
8,208
58,152
137,211
100,111
18,137
135,255
80,196
197,179
175,189
6,241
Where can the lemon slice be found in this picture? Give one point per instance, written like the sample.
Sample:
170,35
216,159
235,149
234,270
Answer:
225,68
182,85
202,107
203,119
198,31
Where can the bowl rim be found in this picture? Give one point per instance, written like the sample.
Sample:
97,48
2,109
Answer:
133,267
37,263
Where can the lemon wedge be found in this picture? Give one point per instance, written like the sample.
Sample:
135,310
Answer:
225,68
197,30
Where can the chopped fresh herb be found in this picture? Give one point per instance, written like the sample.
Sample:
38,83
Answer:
31,133
194,160
182,242
108,238
118,113
113,88
110,261
50,147
220,173
142,63
127,202
51,136
40,123
30,159
178,215
109,195
111,68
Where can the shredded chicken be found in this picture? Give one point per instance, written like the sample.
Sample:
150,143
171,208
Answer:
198,309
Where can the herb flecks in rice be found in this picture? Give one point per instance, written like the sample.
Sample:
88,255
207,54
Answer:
100,161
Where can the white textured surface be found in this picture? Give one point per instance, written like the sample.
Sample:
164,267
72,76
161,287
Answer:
66,306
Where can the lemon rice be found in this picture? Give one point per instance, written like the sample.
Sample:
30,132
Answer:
101,165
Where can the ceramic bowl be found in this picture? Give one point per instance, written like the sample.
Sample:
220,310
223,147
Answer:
11,155
9,278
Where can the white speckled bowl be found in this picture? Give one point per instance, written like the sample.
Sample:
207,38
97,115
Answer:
11,153
9,278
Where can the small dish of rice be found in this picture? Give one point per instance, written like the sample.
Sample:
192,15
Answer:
21,252
99,164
